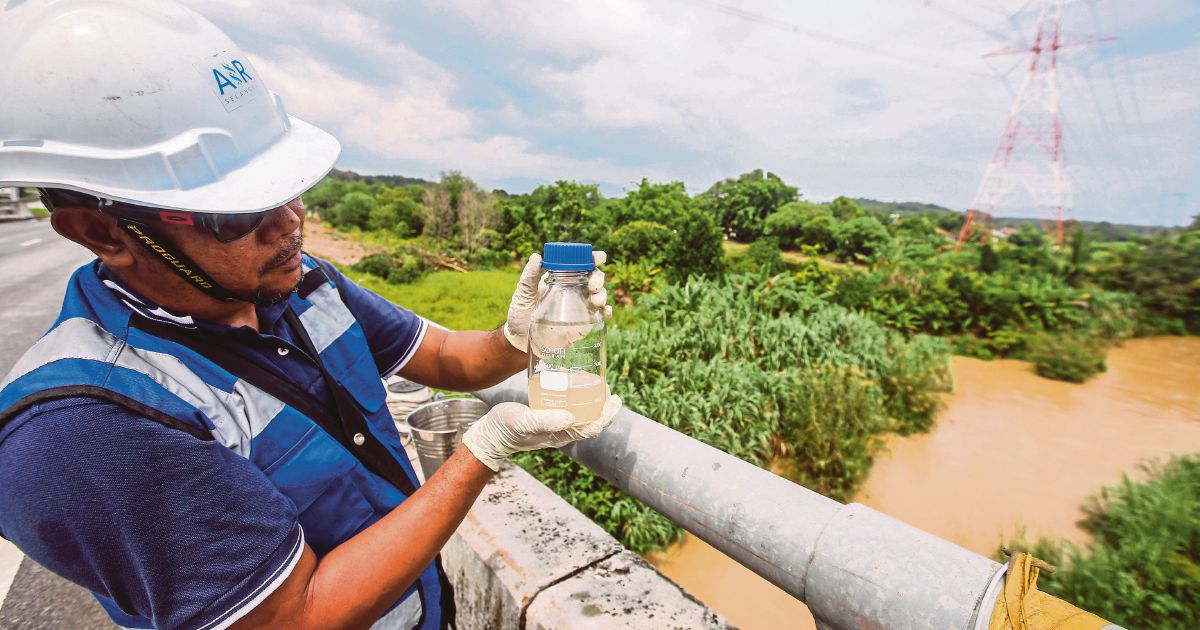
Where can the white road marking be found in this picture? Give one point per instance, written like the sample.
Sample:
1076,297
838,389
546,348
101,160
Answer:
10,560
32,241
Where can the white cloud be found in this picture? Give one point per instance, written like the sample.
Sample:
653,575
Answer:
405,113
303,23
401,122
878,98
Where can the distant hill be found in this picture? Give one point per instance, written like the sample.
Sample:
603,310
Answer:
1100,230
899,206
388,180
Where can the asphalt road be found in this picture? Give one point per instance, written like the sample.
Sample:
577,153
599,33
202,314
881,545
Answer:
35,264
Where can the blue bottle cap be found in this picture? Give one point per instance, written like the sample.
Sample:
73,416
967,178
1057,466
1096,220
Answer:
567,257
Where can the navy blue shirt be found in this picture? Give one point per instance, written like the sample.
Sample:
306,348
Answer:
179,530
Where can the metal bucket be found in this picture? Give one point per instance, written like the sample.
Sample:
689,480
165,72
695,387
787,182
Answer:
437,429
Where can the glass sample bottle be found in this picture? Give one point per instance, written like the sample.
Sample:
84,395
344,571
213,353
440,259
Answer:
567,346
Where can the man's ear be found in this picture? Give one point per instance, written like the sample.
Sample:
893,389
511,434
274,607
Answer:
95,231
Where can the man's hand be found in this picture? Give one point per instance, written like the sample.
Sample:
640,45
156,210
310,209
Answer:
512,427
532,285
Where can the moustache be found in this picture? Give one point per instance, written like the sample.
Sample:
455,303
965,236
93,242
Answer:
295,242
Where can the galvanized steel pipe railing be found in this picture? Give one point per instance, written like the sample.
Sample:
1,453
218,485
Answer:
854,567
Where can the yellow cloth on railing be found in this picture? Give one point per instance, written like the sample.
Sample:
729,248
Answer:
1021,606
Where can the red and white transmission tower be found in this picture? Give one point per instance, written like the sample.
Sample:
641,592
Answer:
1029,154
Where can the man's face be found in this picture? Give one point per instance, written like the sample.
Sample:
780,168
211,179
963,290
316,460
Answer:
264,264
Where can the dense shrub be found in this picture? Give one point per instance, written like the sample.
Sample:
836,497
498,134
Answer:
844,208
819,232
767,371
801,223
395,267
629,279
698,249
1161,273
523,241
695,246
666,204
642,241
563,211
399,210
353,210
765,254
320,198
1067,357
1142,570
862,239
788,222
917,228
947,295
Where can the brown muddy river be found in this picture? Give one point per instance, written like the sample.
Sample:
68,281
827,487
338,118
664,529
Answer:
1012,452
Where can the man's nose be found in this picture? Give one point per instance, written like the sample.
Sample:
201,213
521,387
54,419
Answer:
282,221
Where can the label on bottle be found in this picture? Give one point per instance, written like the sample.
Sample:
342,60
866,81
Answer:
555,381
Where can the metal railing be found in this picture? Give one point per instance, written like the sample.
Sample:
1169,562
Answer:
853,566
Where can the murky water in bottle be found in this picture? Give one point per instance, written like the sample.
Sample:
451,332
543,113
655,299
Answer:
580,393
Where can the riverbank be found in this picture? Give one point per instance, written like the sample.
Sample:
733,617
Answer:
1012,452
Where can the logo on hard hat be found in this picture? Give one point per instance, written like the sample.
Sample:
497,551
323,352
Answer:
233,81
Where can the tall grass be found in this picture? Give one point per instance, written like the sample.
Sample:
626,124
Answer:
1143,568
762,368
477,300
765,370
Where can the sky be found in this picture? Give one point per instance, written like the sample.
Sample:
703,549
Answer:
886,99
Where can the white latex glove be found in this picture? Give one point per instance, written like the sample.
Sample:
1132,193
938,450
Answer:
532,285
512,427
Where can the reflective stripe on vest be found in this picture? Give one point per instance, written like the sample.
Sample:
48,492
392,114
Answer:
93,351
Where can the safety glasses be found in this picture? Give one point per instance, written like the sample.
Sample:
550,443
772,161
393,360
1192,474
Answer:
227,228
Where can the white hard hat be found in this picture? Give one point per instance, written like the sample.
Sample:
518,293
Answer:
148,103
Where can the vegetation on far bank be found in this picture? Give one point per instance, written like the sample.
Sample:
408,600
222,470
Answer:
745,310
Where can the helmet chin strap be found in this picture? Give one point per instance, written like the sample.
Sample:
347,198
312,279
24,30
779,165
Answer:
181,264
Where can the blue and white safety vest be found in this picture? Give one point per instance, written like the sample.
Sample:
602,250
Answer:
101,348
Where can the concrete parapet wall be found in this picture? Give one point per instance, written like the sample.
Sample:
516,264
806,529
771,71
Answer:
524,558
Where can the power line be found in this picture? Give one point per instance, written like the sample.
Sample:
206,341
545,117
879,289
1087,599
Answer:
962,19
803,31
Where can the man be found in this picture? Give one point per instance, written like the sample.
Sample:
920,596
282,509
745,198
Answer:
201,439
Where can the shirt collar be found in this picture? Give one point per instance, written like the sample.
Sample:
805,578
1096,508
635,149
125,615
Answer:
139,304
268,316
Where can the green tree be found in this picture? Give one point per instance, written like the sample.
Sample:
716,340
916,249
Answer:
400,209
457,209
562,211
664,204
862,239
699,247
642,241
917,228
742,205
320,198
441,205
353,210
787,223
801,223
1163,275
523,241
844,208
